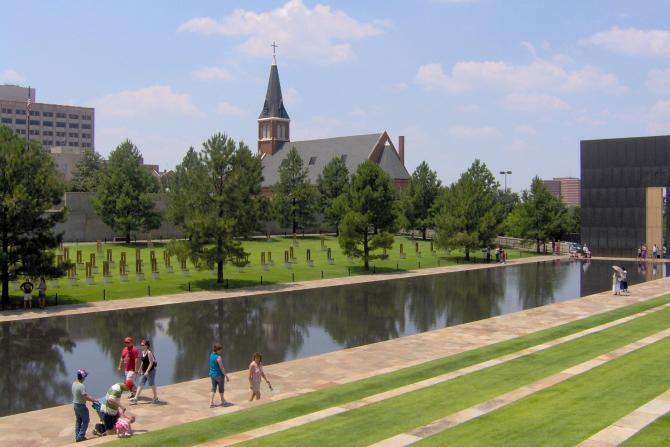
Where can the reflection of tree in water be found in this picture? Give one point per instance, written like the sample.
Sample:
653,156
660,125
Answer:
110,328
30,355
363,314
272,325
538,281
427,299
469,295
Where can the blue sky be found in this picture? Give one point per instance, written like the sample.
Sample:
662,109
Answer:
516,84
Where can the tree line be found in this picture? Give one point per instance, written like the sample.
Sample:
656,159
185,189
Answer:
215,196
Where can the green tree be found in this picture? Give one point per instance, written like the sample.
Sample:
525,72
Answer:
331,184
417,200
87,172
30,192
216,199
369,222
294,197
467,212
541,216
126,193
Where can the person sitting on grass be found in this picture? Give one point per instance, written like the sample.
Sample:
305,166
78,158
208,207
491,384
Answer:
217,373
255,375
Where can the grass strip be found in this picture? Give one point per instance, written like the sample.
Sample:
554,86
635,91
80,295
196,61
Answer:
655,434
366,425
196,432
574,410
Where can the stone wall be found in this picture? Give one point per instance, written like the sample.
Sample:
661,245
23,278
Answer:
83,224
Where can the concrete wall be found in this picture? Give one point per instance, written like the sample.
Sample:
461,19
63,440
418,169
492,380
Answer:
83,224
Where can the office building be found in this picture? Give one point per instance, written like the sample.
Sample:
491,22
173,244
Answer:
54,125
565,188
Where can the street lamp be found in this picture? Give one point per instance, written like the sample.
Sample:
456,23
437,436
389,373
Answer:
505,174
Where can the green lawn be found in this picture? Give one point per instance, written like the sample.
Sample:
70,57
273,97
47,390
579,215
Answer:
574,410
373,423
176,282
654,435
269,413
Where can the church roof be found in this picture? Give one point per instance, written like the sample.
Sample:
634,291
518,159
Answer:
317,153
274,104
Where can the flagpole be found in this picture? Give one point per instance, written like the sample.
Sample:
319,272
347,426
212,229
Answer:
28,120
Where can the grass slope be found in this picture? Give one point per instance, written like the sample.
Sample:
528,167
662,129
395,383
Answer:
656,434
212,428
574,410
169,283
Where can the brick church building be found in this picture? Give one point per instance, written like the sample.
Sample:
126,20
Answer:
274,142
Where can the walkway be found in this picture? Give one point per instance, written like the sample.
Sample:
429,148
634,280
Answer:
188,401
164,300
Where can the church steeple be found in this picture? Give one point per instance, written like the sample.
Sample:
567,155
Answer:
273,122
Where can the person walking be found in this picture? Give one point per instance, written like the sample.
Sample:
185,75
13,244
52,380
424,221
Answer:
112,404
148,366
79,398
654,252
42,293
217,373
255,375
616,285
624,281
128,361
27,288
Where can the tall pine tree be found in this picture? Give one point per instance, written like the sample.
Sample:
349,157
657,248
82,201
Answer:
30,193
369,222
332,183
126,194
417,200
293,196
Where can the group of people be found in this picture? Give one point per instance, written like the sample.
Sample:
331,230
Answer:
500,254
27,288
139,366
656,252
114,418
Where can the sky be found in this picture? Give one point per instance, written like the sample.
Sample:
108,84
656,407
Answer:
516,84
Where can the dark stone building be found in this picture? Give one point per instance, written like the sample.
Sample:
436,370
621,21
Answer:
624,183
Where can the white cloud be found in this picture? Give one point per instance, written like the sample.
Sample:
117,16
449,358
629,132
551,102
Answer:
525,130
319,33
658,81
290,96
659,117
469,108
538,75
473,132
524,102
10,76
147,101
226,108
211,73
399,86
632,41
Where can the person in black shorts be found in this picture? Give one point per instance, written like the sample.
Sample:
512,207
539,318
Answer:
27,288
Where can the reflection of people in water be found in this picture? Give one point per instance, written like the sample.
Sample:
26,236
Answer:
642,267
654,270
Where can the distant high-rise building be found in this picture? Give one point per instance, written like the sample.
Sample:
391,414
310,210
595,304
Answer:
565,188
54,125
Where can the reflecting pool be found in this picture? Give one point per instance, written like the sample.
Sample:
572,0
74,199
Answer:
40,357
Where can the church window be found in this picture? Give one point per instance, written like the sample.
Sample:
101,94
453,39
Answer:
280,132
312,160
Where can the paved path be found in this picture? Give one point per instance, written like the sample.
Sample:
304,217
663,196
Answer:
311,417
188,401
164,300
631,424
491,405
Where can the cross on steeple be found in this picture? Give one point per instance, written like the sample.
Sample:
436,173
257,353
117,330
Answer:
274,48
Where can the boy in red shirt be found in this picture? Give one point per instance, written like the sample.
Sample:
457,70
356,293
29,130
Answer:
128,361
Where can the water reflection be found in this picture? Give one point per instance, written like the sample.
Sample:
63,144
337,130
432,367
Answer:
40,357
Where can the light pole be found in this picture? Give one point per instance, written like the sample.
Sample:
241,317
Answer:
505,174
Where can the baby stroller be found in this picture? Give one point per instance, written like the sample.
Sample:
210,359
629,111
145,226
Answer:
99,428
